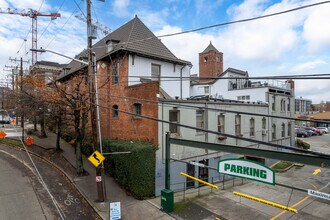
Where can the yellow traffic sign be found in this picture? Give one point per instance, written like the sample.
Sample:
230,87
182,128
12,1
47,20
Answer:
96,158
317,171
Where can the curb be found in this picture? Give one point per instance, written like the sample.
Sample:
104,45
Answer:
283,170
69,178
64,173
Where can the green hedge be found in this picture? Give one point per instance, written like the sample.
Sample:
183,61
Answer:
302,144
134,171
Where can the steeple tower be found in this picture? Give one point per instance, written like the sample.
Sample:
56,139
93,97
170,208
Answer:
210,63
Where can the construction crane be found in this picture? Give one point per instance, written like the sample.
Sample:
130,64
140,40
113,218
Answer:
34,15
101,27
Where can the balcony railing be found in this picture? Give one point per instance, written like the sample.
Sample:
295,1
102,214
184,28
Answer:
244,84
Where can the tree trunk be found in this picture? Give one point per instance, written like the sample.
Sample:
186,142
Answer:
42,125
35,123
58,133
79,160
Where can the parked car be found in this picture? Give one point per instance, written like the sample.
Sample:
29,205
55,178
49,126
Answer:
4,119
302,133
325,130
311,130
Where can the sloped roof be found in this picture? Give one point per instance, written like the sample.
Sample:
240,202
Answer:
49,63
232,70
209,48
323,115
133,37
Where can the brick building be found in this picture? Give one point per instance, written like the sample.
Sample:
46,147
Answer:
132,65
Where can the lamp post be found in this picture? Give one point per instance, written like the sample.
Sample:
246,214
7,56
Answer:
95,121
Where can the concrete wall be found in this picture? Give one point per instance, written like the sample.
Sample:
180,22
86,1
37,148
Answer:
172,86
188,117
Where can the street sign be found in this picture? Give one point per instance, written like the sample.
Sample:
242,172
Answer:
96,158
319,194
247,169
98,179
115,212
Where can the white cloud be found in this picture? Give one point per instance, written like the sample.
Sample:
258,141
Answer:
153,19
306,66
316,29
120,8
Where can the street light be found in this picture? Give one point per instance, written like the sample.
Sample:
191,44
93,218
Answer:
41,50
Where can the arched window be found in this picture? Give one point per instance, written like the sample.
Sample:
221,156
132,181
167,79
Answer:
289,129
283,130
115,111
273,132
252,127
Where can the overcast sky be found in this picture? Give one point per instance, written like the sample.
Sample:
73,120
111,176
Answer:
294,43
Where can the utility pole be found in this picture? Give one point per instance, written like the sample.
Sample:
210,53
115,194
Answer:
21,89
91,86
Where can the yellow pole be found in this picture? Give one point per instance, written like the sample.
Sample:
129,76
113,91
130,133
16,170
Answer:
266,202
199,180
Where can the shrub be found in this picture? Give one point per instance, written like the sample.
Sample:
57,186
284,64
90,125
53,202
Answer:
68,134
302,144
134,171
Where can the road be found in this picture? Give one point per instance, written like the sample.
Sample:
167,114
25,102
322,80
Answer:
22,196
18,199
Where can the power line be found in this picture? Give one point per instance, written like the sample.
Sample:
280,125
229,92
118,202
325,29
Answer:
225,23
62,27
218,133
51,21
167,103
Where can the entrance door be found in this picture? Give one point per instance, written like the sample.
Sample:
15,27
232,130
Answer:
190,171
203,171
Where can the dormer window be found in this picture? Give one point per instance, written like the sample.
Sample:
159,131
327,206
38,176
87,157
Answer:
111,44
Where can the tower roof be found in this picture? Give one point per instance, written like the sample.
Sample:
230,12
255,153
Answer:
210,48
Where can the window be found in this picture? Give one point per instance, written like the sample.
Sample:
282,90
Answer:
252,129
282,105
115,111
221,123
115,74
239,97
133,59
247,97
200,119
155,72
289,103
274,132
217,59
174,67
206,89
263,121
283,130
289,129
237,124
205,59
273,103
137,109
175,118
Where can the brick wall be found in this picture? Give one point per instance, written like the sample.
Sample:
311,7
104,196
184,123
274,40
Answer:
126,127
210,65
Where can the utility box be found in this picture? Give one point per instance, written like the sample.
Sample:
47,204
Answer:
167,200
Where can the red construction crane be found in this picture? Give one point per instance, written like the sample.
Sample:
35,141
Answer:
32,14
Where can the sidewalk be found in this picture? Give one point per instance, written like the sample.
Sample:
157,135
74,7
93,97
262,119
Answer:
131,208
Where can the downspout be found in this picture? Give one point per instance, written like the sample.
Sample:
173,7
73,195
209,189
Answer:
181,80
